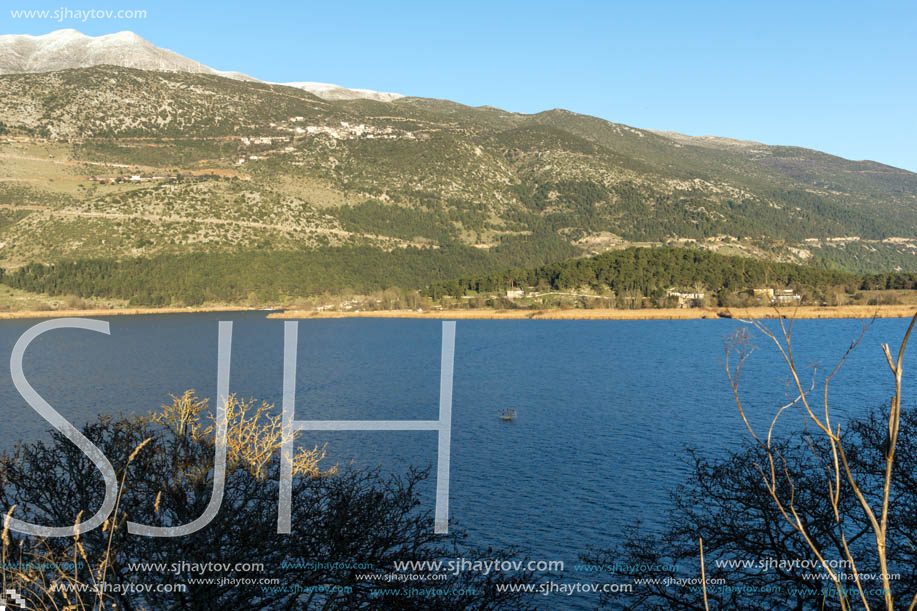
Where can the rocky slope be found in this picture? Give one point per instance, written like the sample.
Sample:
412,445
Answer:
109,161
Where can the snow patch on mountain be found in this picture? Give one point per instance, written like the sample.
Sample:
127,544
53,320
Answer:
70,49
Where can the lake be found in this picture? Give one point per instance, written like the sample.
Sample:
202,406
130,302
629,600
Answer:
605,408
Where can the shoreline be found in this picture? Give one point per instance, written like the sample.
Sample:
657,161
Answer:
25,314
759,312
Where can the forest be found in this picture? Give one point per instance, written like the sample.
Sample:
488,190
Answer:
267,276
652,271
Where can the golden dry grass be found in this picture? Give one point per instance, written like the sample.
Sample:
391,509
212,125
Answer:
847,311
114,312
852,311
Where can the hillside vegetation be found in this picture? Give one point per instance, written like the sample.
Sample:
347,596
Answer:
629,278
669,277
119,166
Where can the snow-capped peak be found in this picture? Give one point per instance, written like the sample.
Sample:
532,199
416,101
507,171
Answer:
69,48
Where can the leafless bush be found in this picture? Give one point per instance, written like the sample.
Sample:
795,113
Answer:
839,478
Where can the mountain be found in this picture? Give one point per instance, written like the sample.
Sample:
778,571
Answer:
70,49
336,92
112,164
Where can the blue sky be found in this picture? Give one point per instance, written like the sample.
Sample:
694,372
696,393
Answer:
834,76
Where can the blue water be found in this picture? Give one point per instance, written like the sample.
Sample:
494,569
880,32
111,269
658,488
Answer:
606,408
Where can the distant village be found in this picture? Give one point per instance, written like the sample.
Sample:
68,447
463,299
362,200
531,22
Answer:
771,296
343,131
517,297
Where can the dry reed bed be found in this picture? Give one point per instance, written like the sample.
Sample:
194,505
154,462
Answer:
852,311
849,311
112,312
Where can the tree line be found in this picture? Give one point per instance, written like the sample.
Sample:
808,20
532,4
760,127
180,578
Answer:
193,279
196,278
652,271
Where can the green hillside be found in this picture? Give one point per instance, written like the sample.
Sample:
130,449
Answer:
113,165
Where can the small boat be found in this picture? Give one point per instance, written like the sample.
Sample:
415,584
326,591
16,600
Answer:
507,414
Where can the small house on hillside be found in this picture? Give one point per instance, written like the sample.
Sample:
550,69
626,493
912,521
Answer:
687,299
786,297
778,296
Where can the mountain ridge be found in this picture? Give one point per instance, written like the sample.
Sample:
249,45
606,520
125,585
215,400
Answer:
69,48
126,49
